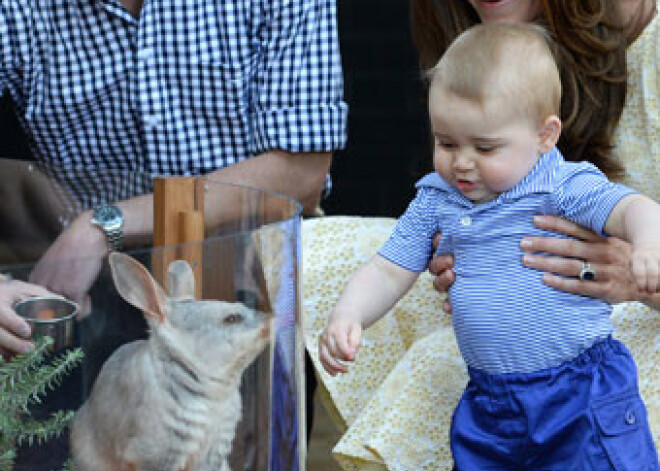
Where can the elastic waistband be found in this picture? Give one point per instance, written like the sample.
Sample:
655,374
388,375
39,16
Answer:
593,355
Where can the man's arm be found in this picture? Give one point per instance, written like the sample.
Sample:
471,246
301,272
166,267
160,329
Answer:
300,176
73,261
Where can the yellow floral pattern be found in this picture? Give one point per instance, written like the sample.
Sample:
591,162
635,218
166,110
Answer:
396,402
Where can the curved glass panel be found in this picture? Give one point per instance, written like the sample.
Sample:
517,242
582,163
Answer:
180,359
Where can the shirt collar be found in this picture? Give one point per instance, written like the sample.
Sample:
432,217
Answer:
115,7
539,180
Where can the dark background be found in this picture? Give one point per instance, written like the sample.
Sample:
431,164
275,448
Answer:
388,143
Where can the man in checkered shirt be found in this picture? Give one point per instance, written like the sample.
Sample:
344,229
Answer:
247,91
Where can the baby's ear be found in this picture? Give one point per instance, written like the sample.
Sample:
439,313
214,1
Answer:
549,133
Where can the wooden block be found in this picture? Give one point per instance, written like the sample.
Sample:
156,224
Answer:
172,196
191,230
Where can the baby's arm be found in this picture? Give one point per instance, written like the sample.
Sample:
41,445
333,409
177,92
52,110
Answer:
369,294
636,219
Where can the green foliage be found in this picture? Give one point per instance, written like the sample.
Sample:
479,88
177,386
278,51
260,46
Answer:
24,380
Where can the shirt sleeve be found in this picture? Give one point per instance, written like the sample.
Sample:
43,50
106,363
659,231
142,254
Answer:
410,245
299,103
5,48
587,198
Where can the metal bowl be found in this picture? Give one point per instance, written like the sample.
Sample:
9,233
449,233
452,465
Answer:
52,317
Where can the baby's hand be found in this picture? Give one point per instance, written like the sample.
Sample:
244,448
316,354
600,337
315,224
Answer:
339,343
646,266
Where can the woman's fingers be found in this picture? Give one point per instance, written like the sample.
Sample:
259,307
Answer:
435,242
443,281
593,289
562,247
563,226
441,263
446,306
569,267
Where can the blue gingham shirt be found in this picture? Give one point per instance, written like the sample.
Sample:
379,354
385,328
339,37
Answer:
505,319
189,87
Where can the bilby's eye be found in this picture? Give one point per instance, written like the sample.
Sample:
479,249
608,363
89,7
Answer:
233,319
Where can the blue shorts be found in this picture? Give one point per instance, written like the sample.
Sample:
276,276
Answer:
584,415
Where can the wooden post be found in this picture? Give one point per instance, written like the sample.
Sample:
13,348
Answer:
191,228
178,226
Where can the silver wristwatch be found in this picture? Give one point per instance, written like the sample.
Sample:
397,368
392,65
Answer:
110,220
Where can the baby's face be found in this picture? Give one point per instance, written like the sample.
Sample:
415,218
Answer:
481,151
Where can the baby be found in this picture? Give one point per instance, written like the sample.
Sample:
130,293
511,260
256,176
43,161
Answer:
549,388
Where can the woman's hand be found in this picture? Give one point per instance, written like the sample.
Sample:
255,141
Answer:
14,331
441,267
609,257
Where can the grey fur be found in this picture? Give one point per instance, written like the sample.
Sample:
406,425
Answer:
171,402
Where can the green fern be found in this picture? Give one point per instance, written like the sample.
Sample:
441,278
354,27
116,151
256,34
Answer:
24,380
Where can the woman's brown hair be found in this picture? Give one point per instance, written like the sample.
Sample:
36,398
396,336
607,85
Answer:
590,48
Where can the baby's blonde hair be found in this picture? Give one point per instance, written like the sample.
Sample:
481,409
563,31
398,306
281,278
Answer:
499,61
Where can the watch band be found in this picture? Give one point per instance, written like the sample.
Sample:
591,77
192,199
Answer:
110,220
114,239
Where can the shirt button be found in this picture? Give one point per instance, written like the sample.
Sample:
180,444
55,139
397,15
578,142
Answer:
466,221
630,418
145,53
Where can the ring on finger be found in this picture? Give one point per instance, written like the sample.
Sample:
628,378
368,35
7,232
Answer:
587,273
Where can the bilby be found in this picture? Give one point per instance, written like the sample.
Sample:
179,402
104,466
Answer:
171,402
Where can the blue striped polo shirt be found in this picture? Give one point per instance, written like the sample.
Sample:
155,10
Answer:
505,319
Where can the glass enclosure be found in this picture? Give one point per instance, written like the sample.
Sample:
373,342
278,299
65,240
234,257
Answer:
195,364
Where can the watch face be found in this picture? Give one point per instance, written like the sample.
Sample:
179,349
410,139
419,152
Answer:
107,216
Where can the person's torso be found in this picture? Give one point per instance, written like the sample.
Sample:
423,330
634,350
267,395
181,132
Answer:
505,318
168,93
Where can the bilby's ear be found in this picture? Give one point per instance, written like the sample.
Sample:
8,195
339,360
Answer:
549,133
180,280
137,286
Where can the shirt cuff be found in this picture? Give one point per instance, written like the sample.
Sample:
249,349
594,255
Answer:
316,129
606,206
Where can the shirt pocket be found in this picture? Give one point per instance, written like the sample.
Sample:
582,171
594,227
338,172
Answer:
216,90
624,433
67,97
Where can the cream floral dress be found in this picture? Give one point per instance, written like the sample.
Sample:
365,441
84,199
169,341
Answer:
396,402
